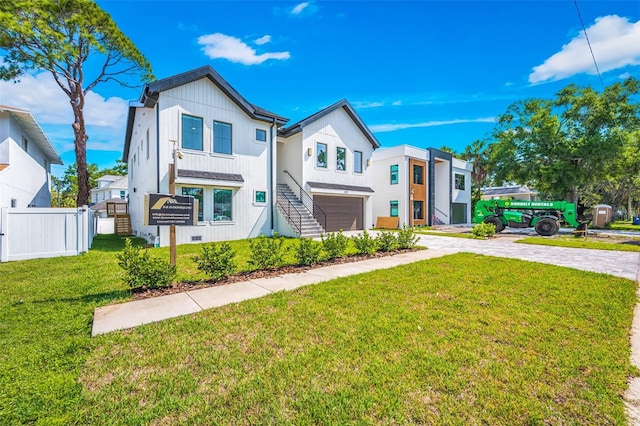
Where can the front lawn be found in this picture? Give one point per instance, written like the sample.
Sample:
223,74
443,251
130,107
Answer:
626,244
459,339
622,225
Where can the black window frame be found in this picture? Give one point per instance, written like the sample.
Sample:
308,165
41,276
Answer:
357,161
216,147
183,132
344,159
261,132
420,176
318,151
456,183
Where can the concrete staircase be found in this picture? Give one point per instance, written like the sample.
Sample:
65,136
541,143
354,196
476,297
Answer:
298,216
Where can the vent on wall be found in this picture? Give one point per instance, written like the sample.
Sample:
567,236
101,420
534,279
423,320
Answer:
196,238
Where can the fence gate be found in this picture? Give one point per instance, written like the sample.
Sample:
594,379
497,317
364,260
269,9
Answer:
44,232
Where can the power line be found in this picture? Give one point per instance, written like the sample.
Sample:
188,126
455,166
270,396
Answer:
584,29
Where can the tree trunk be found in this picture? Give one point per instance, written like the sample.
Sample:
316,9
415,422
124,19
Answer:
81,137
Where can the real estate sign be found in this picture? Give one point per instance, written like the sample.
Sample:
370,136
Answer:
164,209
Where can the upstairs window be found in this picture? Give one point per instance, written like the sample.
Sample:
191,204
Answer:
191,132
122,194
321,155
394,174
418,175
357,161
341,159
221,137
261,135
459,181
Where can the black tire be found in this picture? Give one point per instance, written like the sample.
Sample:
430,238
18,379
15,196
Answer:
547,227
495,221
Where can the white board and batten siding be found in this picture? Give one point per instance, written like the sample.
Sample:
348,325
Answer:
44,232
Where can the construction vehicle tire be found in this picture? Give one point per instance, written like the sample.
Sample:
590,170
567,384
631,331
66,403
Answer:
547,227
495,221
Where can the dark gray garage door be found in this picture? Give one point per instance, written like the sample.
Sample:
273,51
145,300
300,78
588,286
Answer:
458,213
342,212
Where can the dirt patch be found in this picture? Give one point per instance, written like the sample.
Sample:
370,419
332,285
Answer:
145,293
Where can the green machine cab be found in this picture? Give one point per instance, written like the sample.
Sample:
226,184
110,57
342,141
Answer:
544,216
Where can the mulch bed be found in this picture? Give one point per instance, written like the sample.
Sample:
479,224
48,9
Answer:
146,293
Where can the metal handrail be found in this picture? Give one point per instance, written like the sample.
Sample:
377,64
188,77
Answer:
445,215
310,204
290,211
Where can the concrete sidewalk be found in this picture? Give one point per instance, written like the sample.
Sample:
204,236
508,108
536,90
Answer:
132,314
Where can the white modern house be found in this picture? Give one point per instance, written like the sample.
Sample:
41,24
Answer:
421,186
26,155
110,186
327,156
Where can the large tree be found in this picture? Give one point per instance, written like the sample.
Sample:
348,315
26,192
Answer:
566,145
62,36
478,153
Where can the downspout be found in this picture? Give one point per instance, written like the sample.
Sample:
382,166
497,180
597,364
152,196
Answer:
270,177
157,106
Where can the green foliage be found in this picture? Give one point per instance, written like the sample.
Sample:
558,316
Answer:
143,270
334,244
483,230
364,243
308,251
407,238
266,253
386,241
217,260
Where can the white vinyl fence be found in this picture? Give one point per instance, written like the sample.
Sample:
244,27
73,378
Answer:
44,232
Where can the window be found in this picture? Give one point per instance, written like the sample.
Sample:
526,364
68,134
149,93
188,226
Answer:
341,159
261,197
394,174
222,206
191,132
197,194
393,209
122,194
14,202
418,177
418,212
459,181
147,144
261,135
25,143
357,161
221,137
321,155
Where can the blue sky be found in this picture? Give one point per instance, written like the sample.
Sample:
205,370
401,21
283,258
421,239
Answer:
424,73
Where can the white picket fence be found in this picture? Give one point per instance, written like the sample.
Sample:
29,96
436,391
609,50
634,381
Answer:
44,232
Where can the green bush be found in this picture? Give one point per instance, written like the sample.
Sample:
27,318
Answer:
406,238
143,270
364,243
217,261
266,253
387,241
483,230
308,251
335,244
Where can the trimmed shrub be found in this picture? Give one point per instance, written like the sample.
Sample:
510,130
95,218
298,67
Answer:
266,253
364,243
308,251
387,241
334,244
143,270
406,238
483,230
217,261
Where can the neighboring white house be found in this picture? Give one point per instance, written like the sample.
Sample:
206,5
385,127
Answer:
26,155
224,149
421,186
110,186
513,192
328,156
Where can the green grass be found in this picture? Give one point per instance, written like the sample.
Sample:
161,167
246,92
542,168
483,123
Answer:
582,243
445,234
453,340
624,226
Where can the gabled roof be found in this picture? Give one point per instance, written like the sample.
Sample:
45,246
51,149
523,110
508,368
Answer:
344,104
508,190
35,132
117,182
151,93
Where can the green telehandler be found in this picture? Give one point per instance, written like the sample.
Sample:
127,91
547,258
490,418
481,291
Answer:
544,216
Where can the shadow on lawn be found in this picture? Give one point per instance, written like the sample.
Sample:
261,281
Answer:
111,243
97,298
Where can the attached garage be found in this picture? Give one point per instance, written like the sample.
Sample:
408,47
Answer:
344,213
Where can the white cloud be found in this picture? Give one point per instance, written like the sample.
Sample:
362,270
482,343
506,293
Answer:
614,41
263,40
624,76
397,103
361,105
392,127
221,46
297,10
